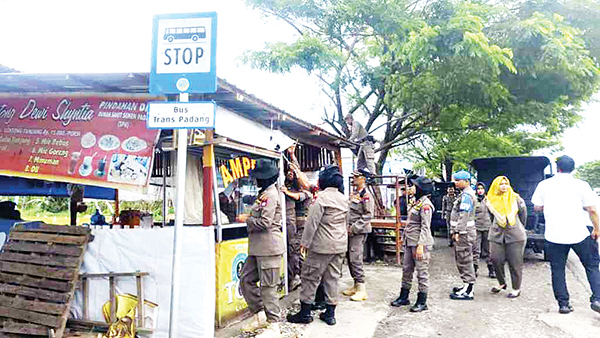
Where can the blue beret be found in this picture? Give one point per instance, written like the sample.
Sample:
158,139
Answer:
462,175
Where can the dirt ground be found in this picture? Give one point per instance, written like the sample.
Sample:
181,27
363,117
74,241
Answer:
533,314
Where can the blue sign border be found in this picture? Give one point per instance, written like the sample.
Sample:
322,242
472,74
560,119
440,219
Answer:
183,103
200,83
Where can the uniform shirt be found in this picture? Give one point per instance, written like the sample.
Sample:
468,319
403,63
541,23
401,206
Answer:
264,224
463,212
510,233
563,198
303,203
482,215
325,228
418,227
360,213
447,204
357,132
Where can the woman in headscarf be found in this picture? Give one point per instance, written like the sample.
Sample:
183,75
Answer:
324,241
507,235
482,225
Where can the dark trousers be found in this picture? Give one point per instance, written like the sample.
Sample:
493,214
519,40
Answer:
587,251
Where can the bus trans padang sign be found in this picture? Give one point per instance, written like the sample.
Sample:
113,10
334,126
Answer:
184,53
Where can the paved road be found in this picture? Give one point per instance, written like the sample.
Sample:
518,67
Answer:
534,314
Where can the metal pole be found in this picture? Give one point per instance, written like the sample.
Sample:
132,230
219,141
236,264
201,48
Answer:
178,228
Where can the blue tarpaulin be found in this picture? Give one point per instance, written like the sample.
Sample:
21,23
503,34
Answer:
17,186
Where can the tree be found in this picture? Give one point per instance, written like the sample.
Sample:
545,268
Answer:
590,172
420,68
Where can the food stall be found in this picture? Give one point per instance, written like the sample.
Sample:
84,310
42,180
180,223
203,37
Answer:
246,130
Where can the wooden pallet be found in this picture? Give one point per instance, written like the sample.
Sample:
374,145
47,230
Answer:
39,269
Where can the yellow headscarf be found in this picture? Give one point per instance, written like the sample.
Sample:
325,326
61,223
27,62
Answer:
503,206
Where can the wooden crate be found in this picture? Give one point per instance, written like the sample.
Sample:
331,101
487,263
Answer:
39,268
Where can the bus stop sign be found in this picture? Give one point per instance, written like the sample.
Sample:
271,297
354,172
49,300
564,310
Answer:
184,50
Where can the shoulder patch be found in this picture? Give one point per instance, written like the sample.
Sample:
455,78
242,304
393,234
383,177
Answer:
366,199
466,203
426,209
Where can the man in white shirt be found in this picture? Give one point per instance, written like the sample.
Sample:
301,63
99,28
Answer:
562,199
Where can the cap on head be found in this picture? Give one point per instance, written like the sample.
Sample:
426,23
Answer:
361,173
423,183
565,164
264,169
462,175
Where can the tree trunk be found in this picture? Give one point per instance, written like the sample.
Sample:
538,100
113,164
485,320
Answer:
448,163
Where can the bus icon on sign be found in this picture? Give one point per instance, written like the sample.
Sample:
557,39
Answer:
185,33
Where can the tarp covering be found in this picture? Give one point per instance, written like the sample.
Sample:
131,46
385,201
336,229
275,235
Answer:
18,186
151,250
238,128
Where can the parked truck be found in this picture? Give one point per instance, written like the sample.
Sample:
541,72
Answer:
524,174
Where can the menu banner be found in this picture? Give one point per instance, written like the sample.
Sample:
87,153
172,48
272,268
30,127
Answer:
79,138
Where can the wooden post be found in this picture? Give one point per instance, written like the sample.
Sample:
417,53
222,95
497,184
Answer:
208,159
113,300
85,294
140,296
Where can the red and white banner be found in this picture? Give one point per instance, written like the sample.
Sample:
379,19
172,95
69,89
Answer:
88,139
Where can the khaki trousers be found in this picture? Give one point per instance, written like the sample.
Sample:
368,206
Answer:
354,255
410,264
484,247
321,268
463,253
513,254
293,248
366,157
263,269
299,231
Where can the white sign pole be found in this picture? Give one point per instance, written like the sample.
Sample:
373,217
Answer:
181,173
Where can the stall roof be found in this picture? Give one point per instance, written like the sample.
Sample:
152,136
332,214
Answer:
227,95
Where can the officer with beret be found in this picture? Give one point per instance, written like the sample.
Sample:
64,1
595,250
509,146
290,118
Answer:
464,235
265,250
418,243
325,241
360,213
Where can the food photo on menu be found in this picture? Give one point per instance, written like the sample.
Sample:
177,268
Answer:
129,169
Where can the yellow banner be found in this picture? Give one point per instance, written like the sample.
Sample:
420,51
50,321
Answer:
231,256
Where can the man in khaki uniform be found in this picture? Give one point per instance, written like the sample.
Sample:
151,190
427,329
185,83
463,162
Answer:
418,243
265,250
462,227
366,153
447,204
325,240
360,213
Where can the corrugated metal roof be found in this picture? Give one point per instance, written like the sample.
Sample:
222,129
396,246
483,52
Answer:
228,95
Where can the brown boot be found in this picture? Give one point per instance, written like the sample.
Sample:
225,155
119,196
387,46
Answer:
361,293
259,321
350,291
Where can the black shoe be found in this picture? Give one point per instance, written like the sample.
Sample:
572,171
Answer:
302,317
402,299
421,304
317,306
476,267
451,244
564,309
465,293
595,305
329,315
457,288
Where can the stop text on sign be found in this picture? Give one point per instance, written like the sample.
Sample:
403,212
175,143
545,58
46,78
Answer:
186,55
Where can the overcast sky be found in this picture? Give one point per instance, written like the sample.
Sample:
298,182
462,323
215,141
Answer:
115,36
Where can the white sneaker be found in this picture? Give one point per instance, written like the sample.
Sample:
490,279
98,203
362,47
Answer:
259,321
272,331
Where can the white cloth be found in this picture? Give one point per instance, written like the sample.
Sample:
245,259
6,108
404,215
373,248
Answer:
563,198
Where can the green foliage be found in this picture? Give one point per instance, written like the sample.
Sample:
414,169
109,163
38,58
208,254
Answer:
590,172
441,76
55,204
